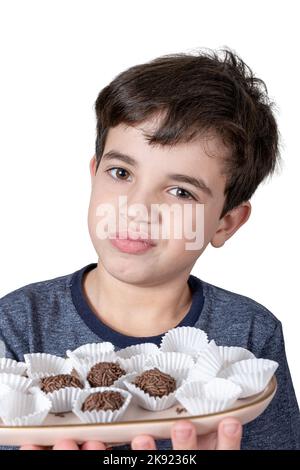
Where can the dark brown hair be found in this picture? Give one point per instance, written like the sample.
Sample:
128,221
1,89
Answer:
200,92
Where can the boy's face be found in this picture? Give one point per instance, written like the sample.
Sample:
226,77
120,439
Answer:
149,182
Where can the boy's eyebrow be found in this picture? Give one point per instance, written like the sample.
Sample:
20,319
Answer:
120,156
197,182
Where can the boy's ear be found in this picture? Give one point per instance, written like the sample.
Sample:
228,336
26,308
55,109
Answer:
230,223
93,163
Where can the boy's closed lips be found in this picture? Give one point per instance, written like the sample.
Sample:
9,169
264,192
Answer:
136,244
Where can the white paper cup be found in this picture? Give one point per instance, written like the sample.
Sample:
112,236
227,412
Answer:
86,366
196,374
201,399
83,364
231,354
43,365
62,400
100,416
184,339
252,375
10,366
147,401
138,349
174,363
4,390
15,382
208,364
24,409
134,364
91,351
219,389
133,358
170,363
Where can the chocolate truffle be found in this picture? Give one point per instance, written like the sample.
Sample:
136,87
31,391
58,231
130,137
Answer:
103,401
104,374
56,382
155,383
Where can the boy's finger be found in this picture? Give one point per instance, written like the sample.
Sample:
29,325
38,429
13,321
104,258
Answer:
143,442
184,436
93,445
66,444
229,434
31,447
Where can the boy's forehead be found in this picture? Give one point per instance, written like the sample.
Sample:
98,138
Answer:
204,154
125,138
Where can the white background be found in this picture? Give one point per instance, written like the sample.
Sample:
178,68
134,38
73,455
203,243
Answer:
55,58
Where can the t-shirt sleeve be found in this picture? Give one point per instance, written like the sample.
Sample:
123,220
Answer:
278,427
14,327
13,332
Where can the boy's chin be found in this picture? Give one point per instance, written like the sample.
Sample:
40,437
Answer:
135,272
134,278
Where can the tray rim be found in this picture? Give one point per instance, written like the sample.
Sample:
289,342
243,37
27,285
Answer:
272,385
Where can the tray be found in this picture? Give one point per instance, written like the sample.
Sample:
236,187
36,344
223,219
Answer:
135,421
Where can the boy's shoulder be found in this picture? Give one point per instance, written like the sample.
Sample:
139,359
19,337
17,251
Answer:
234,314
30,314
239,304
39,289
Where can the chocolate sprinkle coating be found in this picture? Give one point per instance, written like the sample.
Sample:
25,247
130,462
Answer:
104,374
155,383
56,382
103,401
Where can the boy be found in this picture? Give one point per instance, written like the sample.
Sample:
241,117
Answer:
186,131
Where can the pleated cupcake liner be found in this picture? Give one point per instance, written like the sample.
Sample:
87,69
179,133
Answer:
138,349
208,363
24,409
90,350
84,366
231,354
174,363
197,374
10,366
135,363
147,401
100,416
62,400
4,390
44,365
252,375
15,382
222,389
185,339
217,395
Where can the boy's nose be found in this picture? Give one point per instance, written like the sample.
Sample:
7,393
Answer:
143,217
142,206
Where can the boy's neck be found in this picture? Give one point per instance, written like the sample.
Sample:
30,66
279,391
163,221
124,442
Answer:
136,310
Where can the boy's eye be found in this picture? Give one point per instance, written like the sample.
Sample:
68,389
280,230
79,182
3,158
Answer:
184,193
120,173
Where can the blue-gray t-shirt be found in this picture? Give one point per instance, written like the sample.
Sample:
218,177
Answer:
53,315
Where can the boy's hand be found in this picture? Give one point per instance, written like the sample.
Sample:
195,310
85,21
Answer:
183,436
68,444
